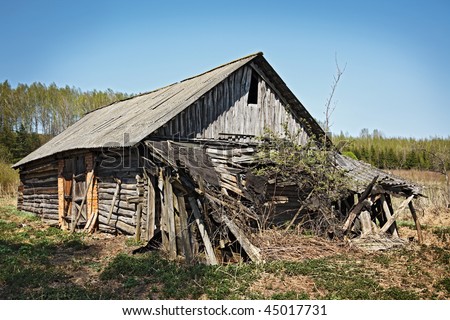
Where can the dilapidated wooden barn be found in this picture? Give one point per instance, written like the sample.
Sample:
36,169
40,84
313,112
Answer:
175,164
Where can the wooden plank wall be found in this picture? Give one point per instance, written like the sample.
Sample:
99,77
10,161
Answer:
224,109
39,190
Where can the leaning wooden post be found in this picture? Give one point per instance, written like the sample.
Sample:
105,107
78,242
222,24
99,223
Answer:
139,206
170,217
253,252
74,207
113,202
150,223
388,214
61,200
416,221
91,195
138,221
211,257
163,225
358,206
185,229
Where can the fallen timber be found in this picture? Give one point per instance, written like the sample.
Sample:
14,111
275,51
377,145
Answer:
200,201
226,199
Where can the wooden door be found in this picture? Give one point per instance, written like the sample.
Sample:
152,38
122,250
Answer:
75,189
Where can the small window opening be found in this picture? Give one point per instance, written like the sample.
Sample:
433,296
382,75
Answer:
253,93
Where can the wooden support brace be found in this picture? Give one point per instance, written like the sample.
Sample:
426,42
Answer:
170,217
252,251
388,214
61,200
211,257
163,219
185,230
113,202
138,221
73,208
391,220
150,223
416,221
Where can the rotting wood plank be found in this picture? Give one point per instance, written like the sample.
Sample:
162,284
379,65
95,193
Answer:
163,218
416,221
138,221
91,222
210,256
366,223
151,204
170,217
396,214
73,213
252,251
185,230
388,214
61,200
113,202
358,207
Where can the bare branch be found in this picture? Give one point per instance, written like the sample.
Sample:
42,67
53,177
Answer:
329,105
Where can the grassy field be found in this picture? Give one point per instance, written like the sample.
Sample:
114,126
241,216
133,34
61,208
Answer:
42,262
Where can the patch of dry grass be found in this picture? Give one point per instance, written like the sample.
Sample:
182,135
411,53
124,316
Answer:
276,244
434,188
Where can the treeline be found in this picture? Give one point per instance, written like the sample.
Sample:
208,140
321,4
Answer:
31,114
397,153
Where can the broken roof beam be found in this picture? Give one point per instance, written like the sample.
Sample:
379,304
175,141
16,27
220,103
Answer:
359,206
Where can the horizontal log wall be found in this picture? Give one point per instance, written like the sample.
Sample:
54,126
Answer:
38,192
114,166
225,109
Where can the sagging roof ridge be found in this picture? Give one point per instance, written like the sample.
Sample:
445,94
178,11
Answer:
259,53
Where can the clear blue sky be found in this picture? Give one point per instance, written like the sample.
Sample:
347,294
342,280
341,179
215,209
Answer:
397,53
